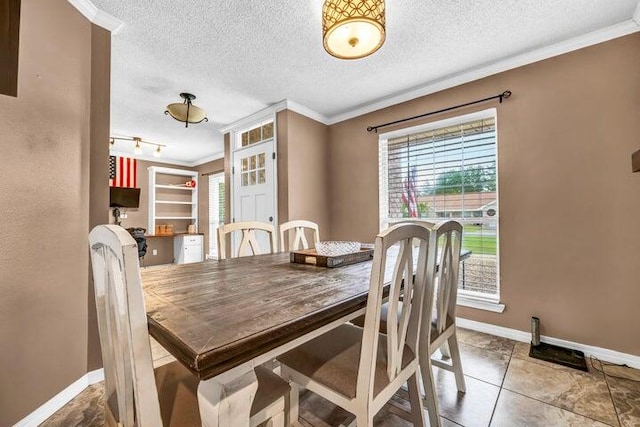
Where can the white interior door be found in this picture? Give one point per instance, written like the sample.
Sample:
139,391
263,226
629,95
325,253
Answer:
254,188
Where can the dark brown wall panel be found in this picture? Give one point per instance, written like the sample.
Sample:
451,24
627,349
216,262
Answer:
9,36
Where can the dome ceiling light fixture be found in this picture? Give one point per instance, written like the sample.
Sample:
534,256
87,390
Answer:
138,148
353,29
186,112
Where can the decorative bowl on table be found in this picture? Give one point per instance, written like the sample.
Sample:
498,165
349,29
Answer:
334,248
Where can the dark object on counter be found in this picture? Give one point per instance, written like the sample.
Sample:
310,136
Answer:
138,235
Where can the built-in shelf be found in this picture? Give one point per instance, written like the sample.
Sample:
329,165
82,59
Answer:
184,207
169,202
175,187
175,217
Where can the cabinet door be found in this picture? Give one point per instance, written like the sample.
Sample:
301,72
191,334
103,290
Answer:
192,253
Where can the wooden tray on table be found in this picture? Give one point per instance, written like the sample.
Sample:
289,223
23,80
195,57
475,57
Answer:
310,257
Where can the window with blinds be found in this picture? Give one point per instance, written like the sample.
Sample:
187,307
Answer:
216,211
448,170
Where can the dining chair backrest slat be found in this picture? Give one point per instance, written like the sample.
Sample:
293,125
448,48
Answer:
299,240
130,389
248,242
403,319
448,236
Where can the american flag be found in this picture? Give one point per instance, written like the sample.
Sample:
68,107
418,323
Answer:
409,195
123,172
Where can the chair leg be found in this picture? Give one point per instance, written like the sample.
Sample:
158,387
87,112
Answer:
291,408
277,420
430,396
364,420
457,362
417,416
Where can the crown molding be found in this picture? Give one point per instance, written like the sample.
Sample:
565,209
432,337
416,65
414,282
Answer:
307,112
168,161
285,104
254,117
595,37
147,158
98,16
566,46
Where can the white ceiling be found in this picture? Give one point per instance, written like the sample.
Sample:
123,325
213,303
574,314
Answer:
241,56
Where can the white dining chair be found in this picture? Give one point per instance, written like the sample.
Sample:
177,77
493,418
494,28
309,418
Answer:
392,222
299,240
249,243
135,393
439,329
360,369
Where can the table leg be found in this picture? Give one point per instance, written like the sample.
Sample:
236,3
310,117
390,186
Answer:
225,400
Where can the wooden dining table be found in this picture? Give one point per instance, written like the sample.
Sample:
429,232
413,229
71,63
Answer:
220,319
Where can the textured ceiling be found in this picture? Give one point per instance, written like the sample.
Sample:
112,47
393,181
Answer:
240,56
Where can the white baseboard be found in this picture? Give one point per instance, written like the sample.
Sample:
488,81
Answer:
59,400
522,336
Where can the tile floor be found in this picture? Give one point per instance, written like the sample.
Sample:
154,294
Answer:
504,388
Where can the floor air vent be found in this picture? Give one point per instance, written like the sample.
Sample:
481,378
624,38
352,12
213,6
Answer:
554,353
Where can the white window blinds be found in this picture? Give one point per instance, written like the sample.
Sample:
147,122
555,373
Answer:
447,172
216,210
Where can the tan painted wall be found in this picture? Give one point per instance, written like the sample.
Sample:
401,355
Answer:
307,166
44,193
569,204
99,166
282,141
204,170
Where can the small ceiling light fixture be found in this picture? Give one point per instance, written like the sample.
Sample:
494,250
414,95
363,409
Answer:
186,112
138,148
353,29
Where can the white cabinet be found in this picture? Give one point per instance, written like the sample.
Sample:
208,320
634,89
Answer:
173,200
188,248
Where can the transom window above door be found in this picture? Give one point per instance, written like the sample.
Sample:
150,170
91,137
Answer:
256,134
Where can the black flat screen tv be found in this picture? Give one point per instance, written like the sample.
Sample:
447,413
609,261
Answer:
124,197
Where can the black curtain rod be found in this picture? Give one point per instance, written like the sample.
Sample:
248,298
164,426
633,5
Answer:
502,96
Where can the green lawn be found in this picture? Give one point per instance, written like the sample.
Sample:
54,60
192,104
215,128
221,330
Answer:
479,245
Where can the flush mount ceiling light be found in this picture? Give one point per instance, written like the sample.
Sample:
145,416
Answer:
137,149
186,112
353,29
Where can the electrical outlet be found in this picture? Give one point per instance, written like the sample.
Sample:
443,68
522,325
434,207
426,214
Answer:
155,252
123,215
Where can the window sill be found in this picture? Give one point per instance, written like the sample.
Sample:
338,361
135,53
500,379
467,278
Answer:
481,303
